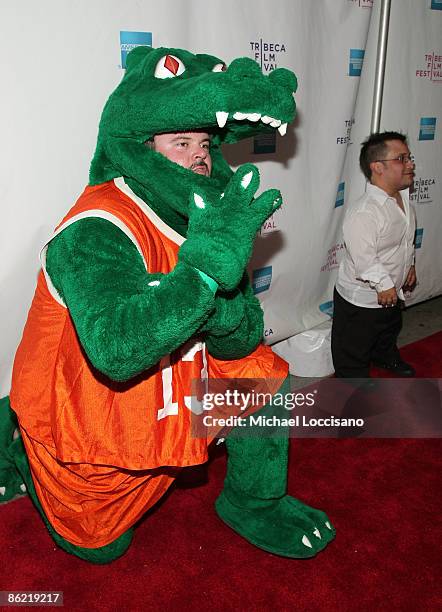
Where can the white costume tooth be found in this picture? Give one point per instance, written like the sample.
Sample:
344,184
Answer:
328,525
245,181
220,441
253,116
293,94
221,118
240,116
154,284
23,487
282,129
198,201
317,534
266,119
16,434
275,123
306,541
2,490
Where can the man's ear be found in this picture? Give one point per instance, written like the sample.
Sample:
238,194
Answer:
376,168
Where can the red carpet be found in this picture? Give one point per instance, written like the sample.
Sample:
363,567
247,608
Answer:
425,356
382,495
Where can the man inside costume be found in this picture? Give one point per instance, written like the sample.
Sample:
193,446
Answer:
143,289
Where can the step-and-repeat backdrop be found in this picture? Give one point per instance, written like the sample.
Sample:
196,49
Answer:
61,59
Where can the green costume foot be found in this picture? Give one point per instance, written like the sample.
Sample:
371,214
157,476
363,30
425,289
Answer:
11,482
254,504
319,518
275,528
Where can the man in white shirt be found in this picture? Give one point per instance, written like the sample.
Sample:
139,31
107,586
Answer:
378,263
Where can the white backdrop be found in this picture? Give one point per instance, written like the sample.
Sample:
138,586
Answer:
61,59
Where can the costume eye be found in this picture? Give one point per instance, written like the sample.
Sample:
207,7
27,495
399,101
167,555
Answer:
219,68
169,66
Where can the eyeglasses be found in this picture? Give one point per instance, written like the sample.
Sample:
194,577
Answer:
403,159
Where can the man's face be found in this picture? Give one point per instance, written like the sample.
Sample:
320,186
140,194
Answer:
396,174
188,149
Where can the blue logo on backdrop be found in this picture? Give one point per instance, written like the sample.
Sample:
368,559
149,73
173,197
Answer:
340,195
356,59
262,279
130,40
436,5
427,128
418,237
327,308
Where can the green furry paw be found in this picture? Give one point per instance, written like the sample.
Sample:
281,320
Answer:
278,528
319,518
222,250
11,484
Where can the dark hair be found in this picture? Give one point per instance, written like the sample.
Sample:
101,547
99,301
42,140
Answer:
375,147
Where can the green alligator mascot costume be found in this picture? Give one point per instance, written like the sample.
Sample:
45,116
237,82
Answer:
143,289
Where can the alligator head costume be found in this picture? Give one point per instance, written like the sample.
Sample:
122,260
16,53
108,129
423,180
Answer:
169,90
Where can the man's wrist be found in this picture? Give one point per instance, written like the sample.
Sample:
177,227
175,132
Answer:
384,284
385,290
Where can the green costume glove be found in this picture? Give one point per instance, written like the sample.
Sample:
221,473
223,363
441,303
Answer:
227,338
221,233
228,314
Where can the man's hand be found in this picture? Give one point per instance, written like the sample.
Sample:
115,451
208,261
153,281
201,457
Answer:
388,297
410,281
221,233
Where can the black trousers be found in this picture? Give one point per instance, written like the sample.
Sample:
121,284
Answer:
361,336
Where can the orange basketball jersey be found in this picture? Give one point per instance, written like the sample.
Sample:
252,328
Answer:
102,452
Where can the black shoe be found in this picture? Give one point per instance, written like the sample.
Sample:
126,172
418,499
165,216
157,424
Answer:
399,367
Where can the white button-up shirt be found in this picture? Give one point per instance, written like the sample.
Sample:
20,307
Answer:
379,247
